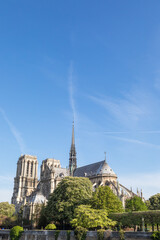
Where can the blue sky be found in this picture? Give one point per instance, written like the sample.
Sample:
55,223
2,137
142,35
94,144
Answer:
98,61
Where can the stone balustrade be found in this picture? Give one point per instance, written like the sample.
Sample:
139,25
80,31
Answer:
91,235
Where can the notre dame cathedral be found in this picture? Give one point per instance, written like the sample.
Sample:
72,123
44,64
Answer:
29,191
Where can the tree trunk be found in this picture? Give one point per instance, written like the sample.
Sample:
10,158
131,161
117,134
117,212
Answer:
145,227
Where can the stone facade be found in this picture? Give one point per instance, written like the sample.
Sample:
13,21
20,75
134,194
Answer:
30,192
26,178
51,174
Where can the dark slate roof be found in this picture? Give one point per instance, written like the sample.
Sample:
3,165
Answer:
89,170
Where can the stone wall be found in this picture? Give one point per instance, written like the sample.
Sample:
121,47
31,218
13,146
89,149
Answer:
91,235
4,235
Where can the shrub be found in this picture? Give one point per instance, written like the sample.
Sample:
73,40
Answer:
121,234
68,234
50,227
56,234
155,235
15,232
80,233
100,234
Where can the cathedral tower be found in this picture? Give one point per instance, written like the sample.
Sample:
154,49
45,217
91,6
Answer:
26,178
72,155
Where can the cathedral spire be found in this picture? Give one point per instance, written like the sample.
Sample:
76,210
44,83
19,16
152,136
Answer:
73,142
72,155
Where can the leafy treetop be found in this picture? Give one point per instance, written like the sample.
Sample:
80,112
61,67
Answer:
87,217
104,198
135,204
7,209
70,192
154,202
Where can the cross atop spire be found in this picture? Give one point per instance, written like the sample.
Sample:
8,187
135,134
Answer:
73,142
73,149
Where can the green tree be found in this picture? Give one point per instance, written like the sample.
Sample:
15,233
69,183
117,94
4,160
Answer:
9,222
135,204
70,192
154,202
104,198
87,217
42,221
7,209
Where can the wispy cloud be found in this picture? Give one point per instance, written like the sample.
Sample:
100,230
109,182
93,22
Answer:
71,90
130,108
121,132
14,131
125,110
135,141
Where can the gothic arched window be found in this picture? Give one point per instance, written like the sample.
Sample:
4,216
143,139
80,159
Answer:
27,168
31,169
107,183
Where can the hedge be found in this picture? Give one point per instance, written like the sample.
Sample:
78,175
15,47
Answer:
131,219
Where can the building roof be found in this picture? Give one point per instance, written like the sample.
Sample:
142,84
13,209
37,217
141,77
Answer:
93,169
61,172
106,169
38,197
